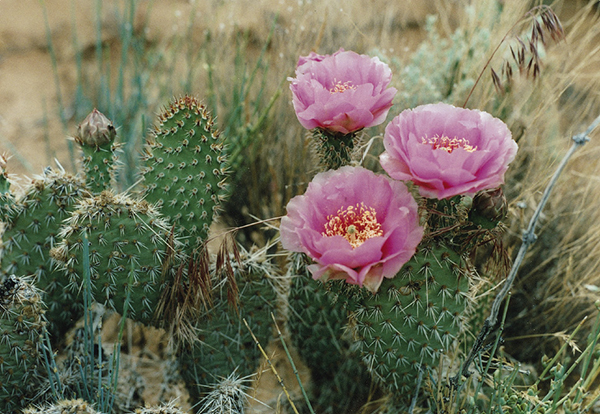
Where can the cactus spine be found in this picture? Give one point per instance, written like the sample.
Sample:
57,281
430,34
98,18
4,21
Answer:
130,248
184,168
21,327
224,344
412,319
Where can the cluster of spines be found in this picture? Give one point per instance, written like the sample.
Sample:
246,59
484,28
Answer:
333,150
21,327
185,166
32,231
128,246
77,406
413,318
224,343
169,408
228,395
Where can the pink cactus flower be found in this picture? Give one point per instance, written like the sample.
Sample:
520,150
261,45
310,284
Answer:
356,225
341,93
447,150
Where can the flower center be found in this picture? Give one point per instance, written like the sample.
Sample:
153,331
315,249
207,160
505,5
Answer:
356,224
340,86
448,144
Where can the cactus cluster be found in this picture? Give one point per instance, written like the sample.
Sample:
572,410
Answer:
369,328
136,249
142,253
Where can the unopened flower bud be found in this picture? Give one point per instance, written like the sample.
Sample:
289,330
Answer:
96,130
490,205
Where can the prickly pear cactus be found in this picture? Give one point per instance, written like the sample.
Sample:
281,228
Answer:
132,252
224,343
21,327
96,135
78,406
32,231
413,318
184,168
317,322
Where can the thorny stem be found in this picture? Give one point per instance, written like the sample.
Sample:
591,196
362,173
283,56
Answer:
529,238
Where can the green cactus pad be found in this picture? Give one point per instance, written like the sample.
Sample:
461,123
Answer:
317,322
21,328
413,318
225,344
130,246
32,232
7,198
184,168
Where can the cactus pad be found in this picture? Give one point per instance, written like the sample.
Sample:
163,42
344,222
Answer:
224,343
184,168
131,250
21,327
413,318
32,232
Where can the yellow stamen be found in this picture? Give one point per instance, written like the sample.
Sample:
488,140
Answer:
340,86
356,224
448,144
